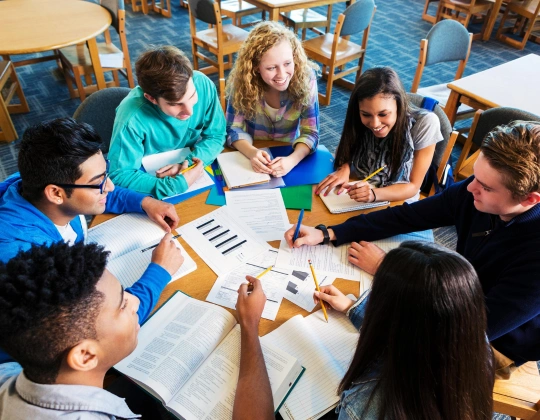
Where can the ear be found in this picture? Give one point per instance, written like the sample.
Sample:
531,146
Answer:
531,199
150,98
54,194
83,357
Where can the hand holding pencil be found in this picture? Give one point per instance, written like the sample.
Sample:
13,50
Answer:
361,191
318,289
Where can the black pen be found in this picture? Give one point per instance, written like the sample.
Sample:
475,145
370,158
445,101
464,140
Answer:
153,246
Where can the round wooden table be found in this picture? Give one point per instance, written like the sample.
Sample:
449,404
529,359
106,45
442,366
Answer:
31,26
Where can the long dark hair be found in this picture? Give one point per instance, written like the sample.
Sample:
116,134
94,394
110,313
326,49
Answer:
371,83
425,323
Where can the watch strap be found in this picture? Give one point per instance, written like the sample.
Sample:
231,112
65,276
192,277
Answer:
326,235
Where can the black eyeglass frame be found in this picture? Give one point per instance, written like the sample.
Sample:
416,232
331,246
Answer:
100,187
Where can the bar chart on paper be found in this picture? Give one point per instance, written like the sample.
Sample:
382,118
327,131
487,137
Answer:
222,241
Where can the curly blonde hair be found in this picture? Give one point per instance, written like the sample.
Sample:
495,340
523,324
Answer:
245,87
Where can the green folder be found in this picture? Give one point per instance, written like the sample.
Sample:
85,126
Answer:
299,197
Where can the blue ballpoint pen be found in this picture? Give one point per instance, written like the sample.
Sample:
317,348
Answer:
297,231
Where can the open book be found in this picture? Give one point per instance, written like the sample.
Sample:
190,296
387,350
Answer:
238,172
126,237
325,349
342,203
188,356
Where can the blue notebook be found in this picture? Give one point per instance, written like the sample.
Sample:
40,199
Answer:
311,170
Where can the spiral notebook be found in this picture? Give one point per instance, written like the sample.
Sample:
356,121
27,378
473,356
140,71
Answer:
343,203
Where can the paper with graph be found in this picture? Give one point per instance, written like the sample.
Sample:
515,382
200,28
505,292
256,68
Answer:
222,241
300,288
325,350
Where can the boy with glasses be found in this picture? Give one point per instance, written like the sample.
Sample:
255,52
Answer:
63,177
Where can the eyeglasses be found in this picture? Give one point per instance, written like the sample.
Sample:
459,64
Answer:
100,187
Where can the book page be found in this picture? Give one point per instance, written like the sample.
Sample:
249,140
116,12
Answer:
129,267
125,233
327,260
343,203
174,342
152,163
222,241
209,393
238,172
262,210
325,350
225,290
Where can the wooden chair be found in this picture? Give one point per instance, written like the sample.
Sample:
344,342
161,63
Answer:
163,7
519,396
308,19
526,14
76,62
483,123
443,149
447,41
7,129
237,9
464,10
427,17
335,50
220,40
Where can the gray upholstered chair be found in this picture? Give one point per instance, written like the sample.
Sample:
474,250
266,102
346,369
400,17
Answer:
336,50
443,149
99,110
483,123
447,41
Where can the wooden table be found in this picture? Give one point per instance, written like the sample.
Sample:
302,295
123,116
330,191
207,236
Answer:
275,7
513,84
199,283
31,26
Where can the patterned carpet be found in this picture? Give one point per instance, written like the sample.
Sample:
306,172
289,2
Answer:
394,41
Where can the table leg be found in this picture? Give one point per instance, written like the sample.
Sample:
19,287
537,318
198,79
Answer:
96,63
451,106
274,14
492,18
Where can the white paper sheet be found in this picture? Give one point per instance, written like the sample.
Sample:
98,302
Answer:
157,161
300,288
225,289
262,210
326,259
222,241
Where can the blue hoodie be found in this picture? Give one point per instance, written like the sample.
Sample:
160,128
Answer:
22,225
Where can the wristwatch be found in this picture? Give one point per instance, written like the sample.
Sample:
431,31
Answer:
324,230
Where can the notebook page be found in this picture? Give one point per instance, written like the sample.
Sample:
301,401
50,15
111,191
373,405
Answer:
237,170
343,203
325,350
125,233
130,267
152,163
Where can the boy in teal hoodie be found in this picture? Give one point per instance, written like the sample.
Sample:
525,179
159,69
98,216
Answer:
172,108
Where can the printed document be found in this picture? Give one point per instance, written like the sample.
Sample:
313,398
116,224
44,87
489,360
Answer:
300,288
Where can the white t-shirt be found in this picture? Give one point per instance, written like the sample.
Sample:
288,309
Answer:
271,112
68,233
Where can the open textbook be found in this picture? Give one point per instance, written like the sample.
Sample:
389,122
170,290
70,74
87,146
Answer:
188,356
325,350
126,237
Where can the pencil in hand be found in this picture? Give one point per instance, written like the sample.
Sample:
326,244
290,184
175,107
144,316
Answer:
318,289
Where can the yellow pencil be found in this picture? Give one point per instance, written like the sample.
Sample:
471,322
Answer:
318,289
187,169
374,173
260,275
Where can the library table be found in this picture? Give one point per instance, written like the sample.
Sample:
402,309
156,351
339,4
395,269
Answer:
33,26
276,7
513,84
199,283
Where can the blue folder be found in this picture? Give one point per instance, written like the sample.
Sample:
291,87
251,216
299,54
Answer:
311,170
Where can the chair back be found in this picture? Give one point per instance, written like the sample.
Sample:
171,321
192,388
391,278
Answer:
203,10
448,40
494,117
357,17
99,110
113,6
446,128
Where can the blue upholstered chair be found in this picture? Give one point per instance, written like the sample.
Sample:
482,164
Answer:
447,41
99,110
335,50
483,123
76,62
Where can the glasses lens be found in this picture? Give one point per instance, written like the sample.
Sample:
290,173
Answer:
103,184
